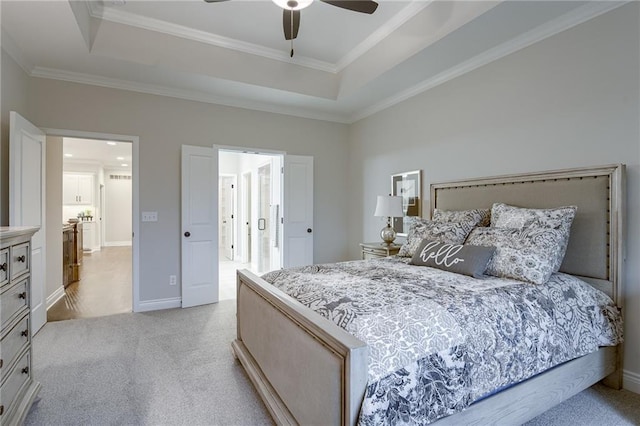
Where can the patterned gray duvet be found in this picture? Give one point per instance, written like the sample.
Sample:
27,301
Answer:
439,341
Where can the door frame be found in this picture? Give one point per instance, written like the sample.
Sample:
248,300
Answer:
135,201
258,151
245,217
234,210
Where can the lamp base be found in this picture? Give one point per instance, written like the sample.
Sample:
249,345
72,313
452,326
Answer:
388,235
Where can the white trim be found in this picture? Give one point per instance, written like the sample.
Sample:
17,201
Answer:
117,243
631,381
55,296
135,205
562,23
246,150
381,33
153,89
151,24
551,28
158,304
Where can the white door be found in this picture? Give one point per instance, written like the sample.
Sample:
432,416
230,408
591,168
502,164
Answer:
298,211
27,161
199,225
226,211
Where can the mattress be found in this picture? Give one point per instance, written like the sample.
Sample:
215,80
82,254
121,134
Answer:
439,341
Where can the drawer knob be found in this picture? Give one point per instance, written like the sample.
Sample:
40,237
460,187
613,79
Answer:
1,362
25,370
22,295
3,267
1,409
22,258
24,333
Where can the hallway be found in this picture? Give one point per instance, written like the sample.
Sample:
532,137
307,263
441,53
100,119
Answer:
227,281
105,287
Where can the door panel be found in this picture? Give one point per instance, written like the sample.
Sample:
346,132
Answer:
227,215
298,211
27,190
264,218
199,225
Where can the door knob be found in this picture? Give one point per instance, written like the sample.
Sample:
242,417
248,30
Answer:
309,230
187,234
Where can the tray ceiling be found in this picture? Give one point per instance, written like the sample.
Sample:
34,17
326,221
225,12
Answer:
346,66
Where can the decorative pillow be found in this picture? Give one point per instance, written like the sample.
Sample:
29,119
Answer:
523,254
461,259
420,229
506,216
480,217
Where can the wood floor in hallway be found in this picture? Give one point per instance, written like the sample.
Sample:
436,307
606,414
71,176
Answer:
105,287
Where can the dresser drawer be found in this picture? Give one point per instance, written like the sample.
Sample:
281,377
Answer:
20,260
14,299
371,254
12,343
14,384
4,266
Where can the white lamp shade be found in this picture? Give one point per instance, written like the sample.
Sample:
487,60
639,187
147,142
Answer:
390,206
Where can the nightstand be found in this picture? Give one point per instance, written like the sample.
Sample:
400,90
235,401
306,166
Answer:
377,250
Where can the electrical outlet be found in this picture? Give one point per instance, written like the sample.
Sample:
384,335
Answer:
172,280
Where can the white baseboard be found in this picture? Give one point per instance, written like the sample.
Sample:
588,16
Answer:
631,381
55,296
158,304
117,243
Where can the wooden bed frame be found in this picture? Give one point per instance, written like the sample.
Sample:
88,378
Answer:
309,371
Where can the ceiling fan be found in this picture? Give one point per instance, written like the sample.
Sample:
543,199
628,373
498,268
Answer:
291,12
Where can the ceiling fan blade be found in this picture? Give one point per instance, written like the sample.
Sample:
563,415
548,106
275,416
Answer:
286,23
362,6
214,1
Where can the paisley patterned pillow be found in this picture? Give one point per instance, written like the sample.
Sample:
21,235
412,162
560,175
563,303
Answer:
506,216
480,217
420,229
523,254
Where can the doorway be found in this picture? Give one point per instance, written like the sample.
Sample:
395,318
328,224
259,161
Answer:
97,204
250,230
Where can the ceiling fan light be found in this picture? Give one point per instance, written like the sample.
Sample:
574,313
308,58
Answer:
293,4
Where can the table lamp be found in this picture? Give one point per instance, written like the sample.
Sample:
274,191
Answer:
389,206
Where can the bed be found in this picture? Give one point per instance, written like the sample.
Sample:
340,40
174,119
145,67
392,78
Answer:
308,370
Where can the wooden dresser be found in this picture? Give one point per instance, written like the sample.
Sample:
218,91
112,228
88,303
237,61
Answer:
17,387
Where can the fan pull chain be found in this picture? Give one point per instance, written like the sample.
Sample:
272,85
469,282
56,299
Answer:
292,33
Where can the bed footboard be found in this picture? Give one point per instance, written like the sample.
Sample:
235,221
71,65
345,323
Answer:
306,369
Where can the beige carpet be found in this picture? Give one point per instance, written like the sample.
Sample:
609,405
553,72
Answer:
175,367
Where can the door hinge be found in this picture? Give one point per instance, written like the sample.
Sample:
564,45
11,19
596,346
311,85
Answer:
282,219
232,186
231,216
231,246
282,170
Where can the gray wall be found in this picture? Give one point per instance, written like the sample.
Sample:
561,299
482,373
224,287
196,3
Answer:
15,88
163,124
54,215
568,101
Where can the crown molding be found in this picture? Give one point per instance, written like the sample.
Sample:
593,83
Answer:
121,17
153,89
562,23
569,20
9,45
381,33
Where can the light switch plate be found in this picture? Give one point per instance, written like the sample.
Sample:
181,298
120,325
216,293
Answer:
149,216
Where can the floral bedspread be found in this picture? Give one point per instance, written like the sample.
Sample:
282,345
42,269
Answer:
439,341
